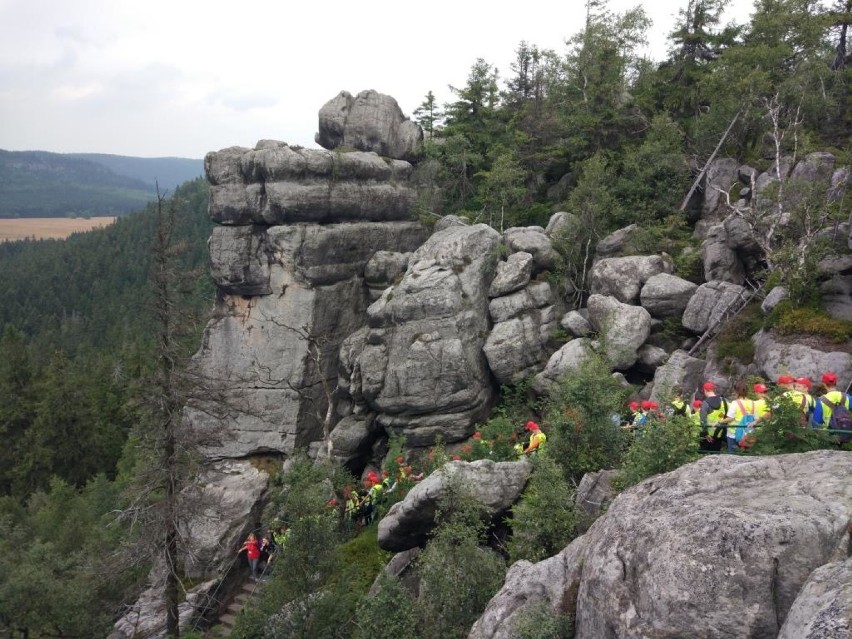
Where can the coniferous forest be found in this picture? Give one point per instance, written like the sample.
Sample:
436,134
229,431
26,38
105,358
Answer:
593,129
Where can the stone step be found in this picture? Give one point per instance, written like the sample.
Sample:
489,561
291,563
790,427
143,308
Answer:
228,620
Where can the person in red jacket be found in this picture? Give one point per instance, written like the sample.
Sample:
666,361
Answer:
252,549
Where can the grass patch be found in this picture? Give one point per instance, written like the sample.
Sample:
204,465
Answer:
362,559
810,321
734,341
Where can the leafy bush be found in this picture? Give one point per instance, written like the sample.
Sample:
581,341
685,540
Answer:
582,420
495,440
390,614
810,321
734,339
540,621
661,447
543,521
783,432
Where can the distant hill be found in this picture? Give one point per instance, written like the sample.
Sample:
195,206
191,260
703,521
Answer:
42,184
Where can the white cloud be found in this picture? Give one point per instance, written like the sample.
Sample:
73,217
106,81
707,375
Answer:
182,78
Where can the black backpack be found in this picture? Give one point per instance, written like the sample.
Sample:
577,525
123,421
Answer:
841,419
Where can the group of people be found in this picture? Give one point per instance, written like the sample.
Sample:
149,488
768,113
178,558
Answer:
261,553
722,423
360,504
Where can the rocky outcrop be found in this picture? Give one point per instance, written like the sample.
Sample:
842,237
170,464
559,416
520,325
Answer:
512,275
576,324
721,262
618,242
665,295
419,364
823,608
624,277
568,358
709,304
722,174
384,269
775,356
738,535
532,240
680,370
624,328
369,121
594,495
494,485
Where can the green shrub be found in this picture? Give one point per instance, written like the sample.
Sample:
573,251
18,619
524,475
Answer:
544,520
582,420
540,621
810,321
783,432
390,614
661,447
495,440
734,340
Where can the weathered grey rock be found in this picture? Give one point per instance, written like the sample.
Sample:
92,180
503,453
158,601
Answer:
532,240
401,566
738,534
513,274
594,495
722,174
624,277
625,328
739,236
562,225
665,295
536,295
495,485
617,243
823,607
238,260
281,185
836,297
835,265
814,167
840,180
448,221
576,324
514,348
651,357
709,303
776,357
680,370
353,437
746,174
369,121
328,254
568,358
721,262
775,297
383,269
427,376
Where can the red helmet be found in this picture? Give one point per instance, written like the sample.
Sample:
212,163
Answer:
646,405
633,405
697,403
709,386
760,388
829,378
786,379
531,425
804,381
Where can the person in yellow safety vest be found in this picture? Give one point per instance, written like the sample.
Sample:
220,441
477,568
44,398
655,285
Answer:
713,411
635,414
537,438
822,409
695,418
350,509
741,417
797,392
678,405
762,407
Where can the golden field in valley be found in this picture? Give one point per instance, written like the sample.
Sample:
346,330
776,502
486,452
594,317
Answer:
48,227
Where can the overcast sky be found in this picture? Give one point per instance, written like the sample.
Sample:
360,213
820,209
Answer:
183,77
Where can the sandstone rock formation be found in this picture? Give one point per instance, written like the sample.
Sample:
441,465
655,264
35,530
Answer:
718,548
823,607
709,304
494,485
776,357
369,121
624,277
625,329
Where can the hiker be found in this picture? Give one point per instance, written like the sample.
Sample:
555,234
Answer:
713,411
762,405
678,405
795,390
537,438
252,549
832,409
695,418
634,414
740,418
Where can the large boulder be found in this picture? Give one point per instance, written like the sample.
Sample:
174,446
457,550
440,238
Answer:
535,296
776,356
278,184
369,121
494,485
618,242
624,277
594,494
514,348
624,329
532,240
721,175
384,269
823,608
717,548
420,366
681,370
239,263
666,295
568,358
721,262
562,226
709,304
513,274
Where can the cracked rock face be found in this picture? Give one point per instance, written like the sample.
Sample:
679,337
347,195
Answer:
718,548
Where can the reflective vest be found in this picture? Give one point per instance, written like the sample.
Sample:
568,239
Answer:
761,408
803,400
681,407
537,441
836,397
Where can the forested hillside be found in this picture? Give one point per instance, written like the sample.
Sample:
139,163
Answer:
41,184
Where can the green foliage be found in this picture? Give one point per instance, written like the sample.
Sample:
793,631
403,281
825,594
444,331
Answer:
786,320
495,440
785,432
582,432
543,521
458,576
734,340
661,447
540,621
390,614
